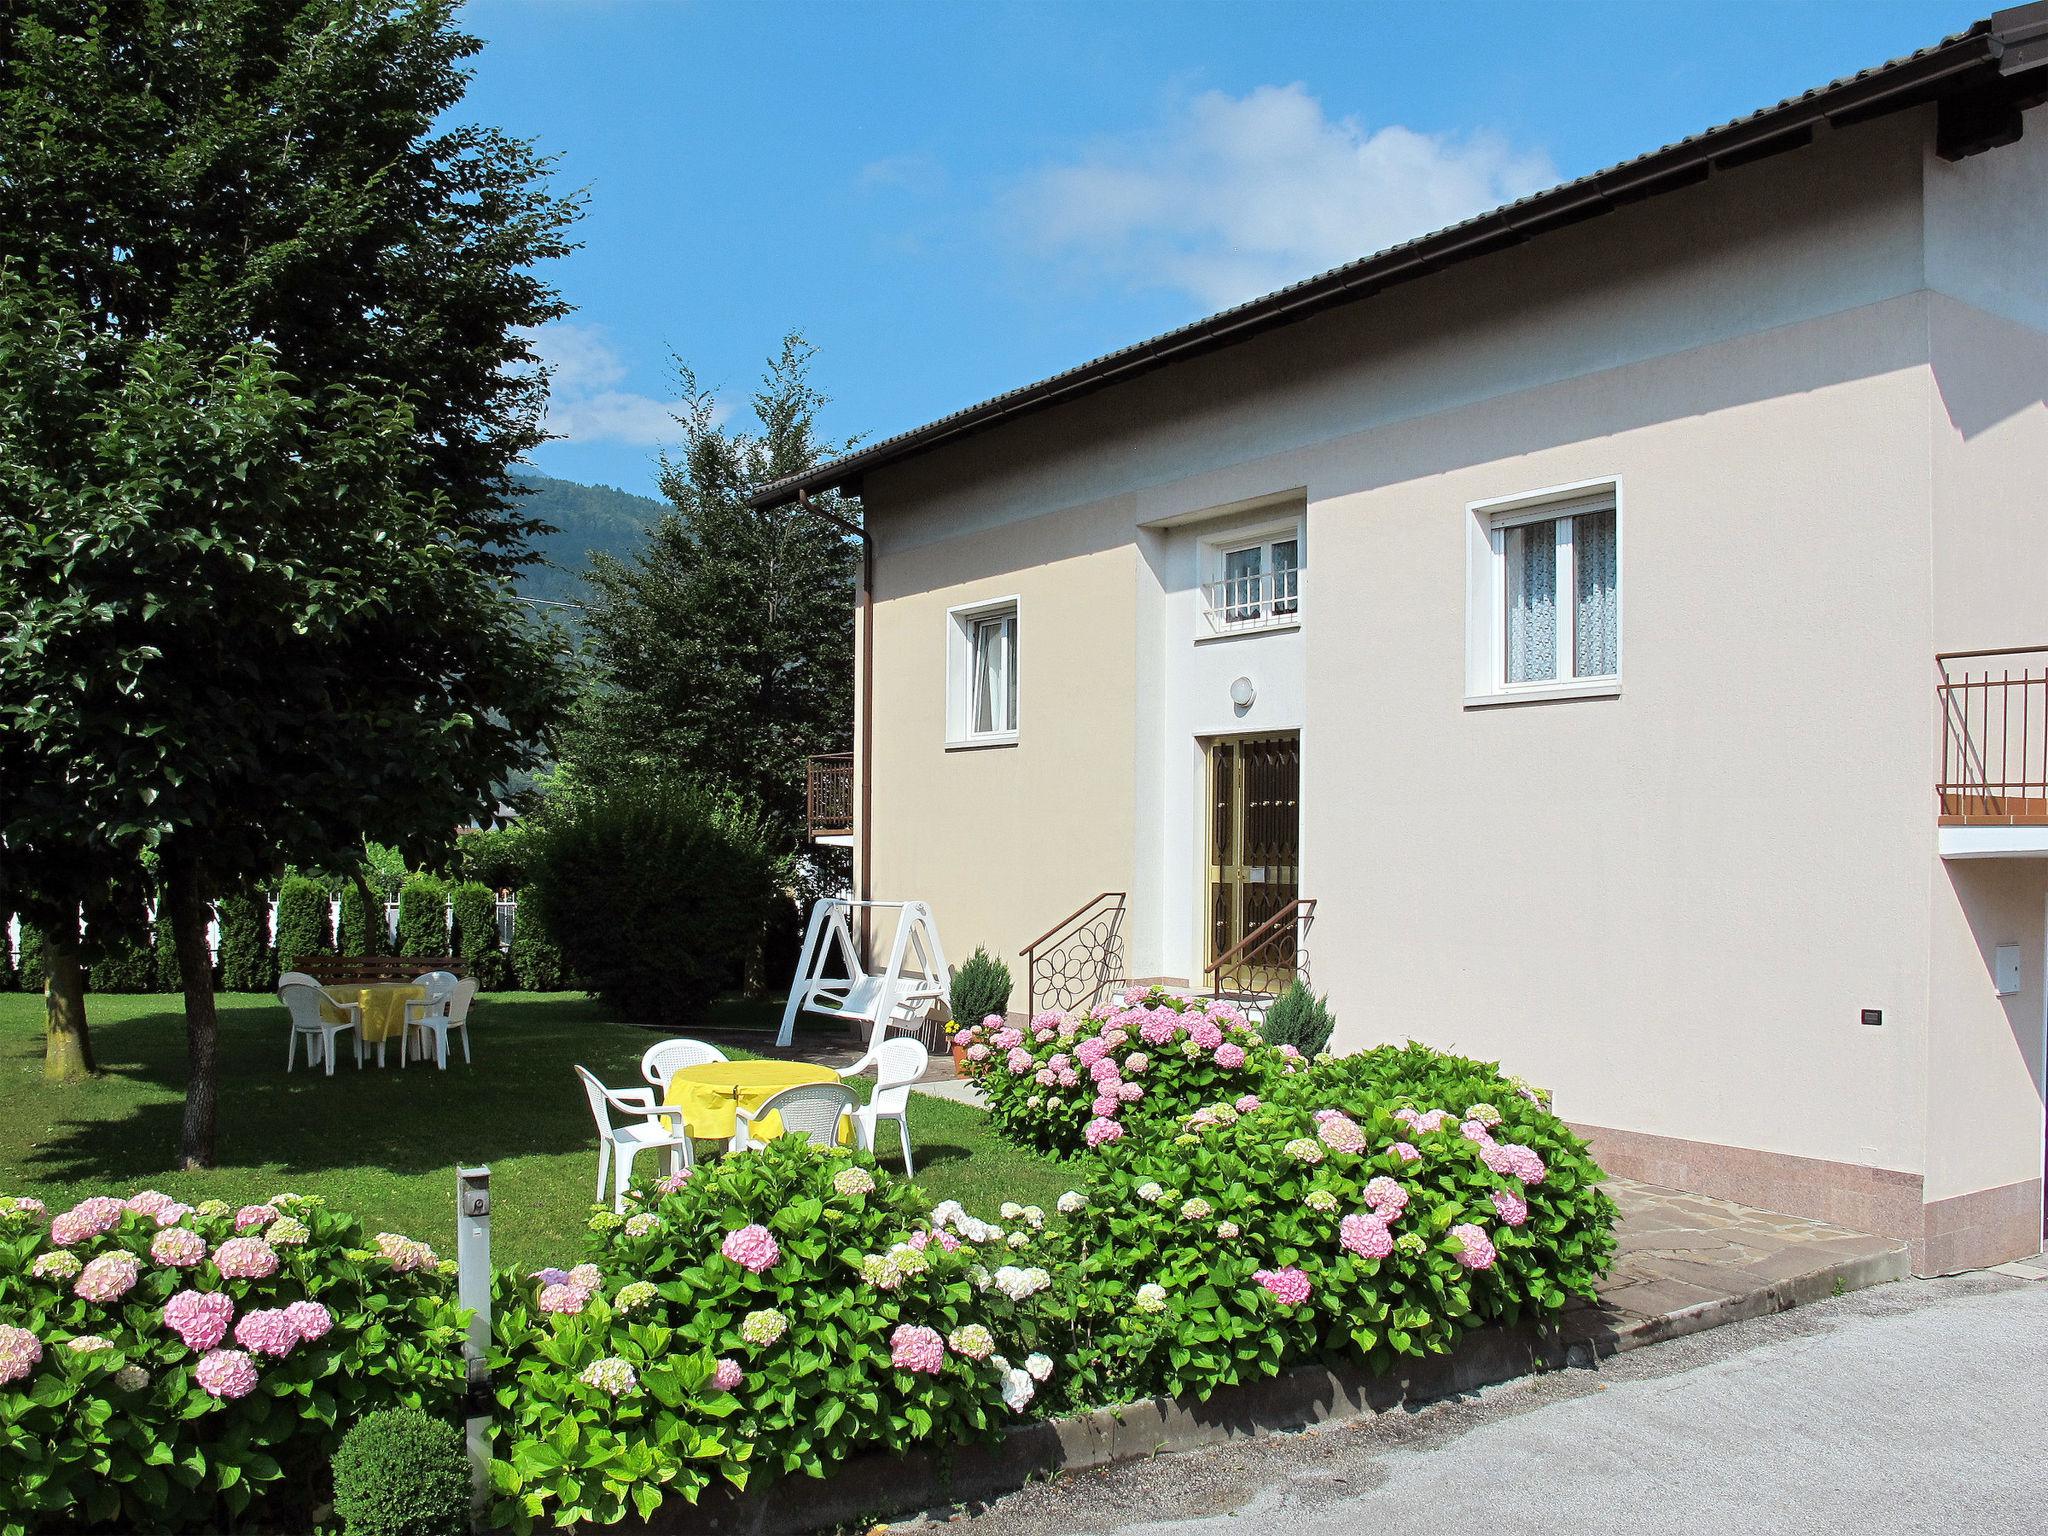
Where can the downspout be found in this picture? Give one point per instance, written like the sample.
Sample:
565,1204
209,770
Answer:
864,656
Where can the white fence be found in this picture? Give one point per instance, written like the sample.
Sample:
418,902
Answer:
507,910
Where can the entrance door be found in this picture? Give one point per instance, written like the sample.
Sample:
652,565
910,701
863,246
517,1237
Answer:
1254,852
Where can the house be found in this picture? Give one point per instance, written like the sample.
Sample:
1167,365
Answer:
1618,624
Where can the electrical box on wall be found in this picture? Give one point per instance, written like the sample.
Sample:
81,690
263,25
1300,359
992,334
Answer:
2005,968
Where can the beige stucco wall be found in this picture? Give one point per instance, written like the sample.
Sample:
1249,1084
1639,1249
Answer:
1670,906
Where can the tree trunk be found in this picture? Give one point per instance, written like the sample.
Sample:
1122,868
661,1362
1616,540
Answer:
186,898
373,911
67,1046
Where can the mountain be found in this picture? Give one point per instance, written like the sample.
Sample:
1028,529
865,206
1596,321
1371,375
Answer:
586,517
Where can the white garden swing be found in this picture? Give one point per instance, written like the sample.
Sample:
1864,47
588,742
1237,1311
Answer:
901,993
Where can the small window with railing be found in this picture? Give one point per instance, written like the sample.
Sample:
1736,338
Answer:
1255,584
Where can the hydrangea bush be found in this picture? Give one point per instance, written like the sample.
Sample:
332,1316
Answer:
1340,1219
1068,1082
164,1367
768,1314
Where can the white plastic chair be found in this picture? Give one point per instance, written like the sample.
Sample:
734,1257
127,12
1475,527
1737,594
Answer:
454,1015
618,1145
304,1001
898,1063
299,979
668,1057
440,986
813,1110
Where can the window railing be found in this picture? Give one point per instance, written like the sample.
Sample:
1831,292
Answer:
1994,737
828,794
1259,601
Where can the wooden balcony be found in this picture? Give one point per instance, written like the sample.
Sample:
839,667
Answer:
1994,740
828,797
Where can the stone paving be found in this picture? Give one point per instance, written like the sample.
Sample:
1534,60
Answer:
1678,1252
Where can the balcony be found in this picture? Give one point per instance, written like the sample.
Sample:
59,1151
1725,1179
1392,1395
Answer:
1259,600
1991,796
828,798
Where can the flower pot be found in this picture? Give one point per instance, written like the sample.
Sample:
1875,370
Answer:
962,1067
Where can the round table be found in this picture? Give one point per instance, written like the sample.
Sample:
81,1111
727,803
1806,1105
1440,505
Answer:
383,1007
707,1095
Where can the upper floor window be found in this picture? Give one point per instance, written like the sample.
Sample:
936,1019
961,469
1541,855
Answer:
1545,609
981,667
1253,582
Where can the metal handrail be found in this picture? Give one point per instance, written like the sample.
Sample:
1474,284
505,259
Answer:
1234,603
1302,911
1105,948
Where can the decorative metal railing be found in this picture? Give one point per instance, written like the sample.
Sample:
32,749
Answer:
1266,961
828,794
1077,960
1994,737
1258,601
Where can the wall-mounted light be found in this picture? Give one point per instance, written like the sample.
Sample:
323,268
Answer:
1242,693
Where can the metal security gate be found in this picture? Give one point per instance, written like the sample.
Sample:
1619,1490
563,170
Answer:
1254,851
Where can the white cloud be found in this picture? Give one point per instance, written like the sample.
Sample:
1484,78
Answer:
1233,196
584,403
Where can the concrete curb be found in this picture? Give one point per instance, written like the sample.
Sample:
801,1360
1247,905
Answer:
877,1487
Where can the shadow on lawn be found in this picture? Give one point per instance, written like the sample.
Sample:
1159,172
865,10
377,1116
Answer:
520,1098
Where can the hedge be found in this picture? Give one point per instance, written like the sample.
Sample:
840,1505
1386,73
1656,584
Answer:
422,916
534,957
29,975
475,907
362,929
247,962
166,974
302,919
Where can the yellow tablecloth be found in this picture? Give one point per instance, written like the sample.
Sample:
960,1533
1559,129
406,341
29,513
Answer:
709,1094
383,1006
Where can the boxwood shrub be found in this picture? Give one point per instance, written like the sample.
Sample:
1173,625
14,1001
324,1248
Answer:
164,1368
401,1472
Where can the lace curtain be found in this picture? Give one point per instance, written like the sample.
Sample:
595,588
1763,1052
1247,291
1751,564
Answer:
1532,602
1596,604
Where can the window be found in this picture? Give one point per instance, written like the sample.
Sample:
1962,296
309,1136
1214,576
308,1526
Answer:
981,668
1255,583
1545,605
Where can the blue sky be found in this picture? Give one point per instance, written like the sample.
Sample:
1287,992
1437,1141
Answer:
953,199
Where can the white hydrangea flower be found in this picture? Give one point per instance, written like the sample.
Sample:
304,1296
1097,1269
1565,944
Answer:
1011,1211
1020,1239
1038,1367
1072,1203
1034,1217
1150,1191
1150,1298
1018,1389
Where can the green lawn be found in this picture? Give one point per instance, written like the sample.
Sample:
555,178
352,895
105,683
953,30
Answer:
384,1144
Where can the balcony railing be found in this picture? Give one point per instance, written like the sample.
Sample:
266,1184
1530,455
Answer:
828,794
1260,601
1994,737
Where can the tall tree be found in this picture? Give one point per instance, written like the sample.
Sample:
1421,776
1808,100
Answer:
263,326
724,648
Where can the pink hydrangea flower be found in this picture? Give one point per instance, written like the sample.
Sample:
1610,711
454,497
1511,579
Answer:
1366,1236
403,1254
1049,1019
1106,1104
1475,1248
179,1247
963,1037
1229,1056
151,1203
90,1218
1518,1160
1158,1029
1019,1061
1130,1093
1339,1132
311,1319
977,1052
1476,1133
108,1277
1060,1061
254,1216
1089,1052
1101,1131
1291,1052
1134,995
727,1376
587,1278
1207,1034
20,1353
992,1021
1288,1286
1406,1152
226,1373
1247,1104
1069,1027
669,1183
245,1258
550,1276
1387,1198
914,1348
1069,1078
1430,1120
753,1248
199,1318
1006,1039
563,1299
267,1331
1045,1077
1513,1210
1106,1072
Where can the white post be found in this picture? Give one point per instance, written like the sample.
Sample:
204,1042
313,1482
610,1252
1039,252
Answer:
473,1290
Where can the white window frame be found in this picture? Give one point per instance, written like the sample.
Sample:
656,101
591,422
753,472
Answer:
961,623
1486,585
1215,552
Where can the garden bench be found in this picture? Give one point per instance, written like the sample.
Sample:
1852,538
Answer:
369,970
